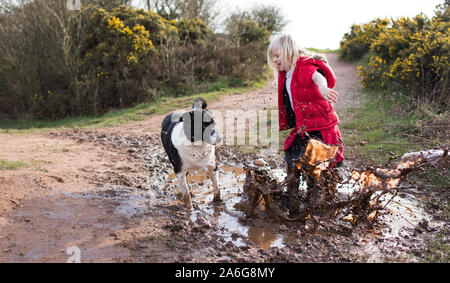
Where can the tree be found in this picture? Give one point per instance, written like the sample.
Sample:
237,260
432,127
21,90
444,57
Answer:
168,9
189,9
202,9
106,4
257,24
269,17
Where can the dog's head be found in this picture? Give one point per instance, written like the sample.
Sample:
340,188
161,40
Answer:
199,124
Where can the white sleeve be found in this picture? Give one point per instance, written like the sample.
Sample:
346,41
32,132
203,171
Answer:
321,82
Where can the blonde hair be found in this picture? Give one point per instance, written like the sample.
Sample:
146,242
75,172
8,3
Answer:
289,51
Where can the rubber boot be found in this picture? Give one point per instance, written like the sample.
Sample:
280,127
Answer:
293,182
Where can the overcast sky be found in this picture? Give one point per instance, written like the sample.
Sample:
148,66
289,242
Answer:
322,23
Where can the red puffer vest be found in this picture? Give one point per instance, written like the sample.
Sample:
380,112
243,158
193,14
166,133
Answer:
312,111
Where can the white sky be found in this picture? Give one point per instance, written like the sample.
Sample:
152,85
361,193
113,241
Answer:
323,23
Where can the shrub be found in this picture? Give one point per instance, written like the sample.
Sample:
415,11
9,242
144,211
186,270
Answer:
109,71
243,29
192,31
411,55
357,42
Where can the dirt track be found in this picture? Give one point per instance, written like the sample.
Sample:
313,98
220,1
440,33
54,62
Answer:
108,192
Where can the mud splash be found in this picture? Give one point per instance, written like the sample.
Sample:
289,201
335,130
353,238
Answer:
367,198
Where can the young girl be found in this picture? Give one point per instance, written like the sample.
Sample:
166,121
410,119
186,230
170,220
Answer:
305,97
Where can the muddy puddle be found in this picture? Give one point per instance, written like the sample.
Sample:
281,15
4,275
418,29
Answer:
402,215
229,220
398,223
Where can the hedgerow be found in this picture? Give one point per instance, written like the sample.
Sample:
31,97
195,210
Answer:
56,63
406,54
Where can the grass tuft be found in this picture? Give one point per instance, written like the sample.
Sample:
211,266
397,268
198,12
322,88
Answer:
11,165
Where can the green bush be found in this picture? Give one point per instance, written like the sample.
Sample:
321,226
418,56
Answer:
357,42
243,29
109,65
192,31
410,54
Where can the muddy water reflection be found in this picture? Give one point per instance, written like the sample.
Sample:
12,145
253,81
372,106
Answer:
231,228
264,238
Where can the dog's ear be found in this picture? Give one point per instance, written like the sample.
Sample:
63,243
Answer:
199,103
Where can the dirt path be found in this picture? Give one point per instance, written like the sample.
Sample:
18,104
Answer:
264,98
106,192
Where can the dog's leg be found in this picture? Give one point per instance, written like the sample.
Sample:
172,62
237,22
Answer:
213,175
183,186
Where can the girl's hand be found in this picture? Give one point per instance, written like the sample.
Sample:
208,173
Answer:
330,95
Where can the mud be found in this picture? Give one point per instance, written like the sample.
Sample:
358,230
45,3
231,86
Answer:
156,227
111,193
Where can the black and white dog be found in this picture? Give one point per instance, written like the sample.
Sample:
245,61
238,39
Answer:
189,140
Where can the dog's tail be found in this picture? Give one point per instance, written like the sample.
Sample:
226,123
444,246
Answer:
199,103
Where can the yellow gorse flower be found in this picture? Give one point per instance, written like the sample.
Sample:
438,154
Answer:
138,37
115,23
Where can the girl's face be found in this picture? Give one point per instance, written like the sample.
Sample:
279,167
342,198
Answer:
277,59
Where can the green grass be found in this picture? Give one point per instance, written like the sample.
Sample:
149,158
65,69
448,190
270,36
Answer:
139,112
11,165
438,250
375,133
436,176
327,50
